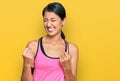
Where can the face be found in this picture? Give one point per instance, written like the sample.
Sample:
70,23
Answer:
52,23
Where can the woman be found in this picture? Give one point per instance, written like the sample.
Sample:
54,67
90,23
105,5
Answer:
52,57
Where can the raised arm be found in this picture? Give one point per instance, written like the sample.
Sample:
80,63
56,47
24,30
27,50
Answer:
69,63
28,61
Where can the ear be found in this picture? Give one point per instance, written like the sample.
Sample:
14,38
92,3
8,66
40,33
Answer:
64,21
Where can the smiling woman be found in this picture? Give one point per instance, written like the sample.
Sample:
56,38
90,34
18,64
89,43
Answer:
56,13
51,57
53,23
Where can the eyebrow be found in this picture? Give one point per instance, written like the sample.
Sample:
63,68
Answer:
50,18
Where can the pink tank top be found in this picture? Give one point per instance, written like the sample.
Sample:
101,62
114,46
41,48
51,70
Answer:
47,68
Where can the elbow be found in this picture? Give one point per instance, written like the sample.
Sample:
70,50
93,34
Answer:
74,79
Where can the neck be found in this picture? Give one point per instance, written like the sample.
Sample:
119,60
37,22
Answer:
53,39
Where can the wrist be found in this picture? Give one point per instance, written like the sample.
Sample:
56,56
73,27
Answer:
27,65
67,71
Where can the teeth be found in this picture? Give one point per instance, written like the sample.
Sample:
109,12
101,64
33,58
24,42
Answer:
50,29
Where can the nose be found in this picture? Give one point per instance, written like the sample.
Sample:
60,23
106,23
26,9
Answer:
49,24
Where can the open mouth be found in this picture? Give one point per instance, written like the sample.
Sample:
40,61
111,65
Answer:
50,29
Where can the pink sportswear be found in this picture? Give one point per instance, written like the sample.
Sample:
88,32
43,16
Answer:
47,68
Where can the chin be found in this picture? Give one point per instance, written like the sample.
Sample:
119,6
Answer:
51,34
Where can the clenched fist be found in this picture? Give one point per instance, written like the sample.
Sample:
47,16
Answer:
65,61
28,57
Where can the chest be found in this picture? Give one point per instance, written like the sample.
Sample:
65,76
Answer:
54,50
45,61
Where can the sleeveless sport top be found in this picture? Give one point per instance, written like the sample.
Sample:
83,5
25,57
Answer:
47,68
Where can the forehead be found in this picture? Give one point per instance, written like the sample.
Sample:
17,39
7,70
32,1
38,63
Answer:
50,15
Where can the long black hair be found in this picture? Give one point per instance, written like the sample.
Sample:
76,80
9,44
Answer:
58,9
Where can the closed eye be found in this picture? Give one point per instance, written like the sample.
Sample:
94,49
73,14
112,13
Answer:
53,20
45,20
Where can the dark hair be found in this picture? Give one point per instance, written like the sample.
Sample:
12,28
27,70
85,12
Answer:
58,9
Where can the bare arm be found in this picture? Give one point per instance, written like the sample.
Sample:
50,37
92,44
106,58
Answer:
26,74
28,61
69,63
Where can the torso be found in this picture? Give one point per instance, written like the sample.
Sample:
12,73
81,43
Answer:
47,64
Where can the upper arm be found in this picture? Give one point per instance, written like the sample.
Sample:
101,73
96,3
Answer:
73,50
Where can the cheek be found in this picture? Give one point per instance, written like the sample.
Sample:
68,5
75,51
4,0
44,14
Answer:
59,24
45,24
55,24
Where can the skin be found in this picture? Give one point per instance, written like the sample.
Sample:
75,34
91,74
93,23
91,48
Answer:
53,26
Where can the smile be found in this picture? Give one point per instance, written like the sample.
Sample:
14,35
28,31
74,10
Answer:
50,29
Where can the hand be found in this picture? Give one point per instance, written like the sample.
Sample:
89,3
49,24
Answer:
28,57
65,61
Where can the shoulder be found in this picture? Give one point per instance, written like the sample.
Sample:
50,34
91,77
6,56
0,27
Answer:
32,45
73,47
73,50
